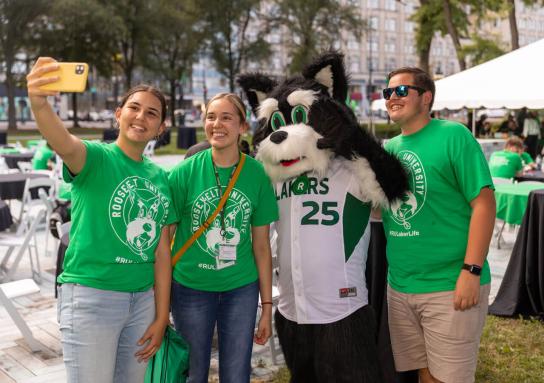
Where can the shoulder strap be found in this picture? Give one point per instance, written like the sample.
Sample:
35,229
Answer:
210,219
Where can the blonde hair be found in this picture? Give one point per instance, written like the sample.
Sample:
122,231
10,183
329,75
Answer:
233,99
514,142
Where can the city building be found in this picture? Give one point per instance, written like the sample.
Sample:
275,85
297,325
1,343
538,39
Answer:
387,43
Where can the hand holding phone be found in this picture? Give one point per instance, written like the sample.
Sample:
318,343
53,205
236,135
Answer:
72,78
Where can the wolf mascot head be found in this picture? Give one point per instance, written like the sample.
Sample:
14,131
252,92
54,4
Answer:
305,123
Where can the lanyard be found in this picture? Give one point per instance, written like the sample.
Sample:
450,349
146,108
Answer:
218,182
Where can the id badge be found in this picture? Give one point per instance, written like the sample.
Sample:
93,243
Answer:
227,252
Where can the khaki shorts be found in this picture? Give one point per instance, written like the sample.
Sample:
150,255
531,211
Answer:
427,332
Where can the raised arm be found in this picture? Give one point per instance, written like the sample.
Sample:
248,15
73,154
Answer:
69,147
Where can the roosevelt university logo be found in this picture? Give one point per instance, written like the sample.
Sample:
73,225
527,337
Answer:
412,202
237,212
137,210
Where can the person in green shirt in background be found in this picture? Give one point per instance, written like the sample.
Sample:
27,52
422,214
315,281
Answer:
218,279
438,237
507,163
527,160
43,158
115,286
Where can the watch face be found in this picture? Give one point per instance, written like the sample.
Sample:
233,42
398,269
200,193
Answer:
473,269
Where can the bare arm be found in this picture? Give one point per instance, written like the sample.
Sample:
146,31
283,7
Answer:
481,226
263,259
152,338
69,147
376,213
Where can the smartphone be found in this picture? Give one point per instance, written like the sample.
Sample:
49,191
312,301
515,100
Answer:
73,78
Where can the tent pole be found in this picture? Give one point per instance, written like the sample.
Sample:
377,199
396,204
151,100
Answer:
474,122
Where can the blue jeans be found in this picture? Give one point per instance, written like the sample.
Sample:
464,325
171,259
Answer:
195,315
99,332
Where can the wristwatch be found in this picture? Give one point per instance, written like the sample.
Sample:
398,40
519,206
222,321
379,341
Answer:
473,269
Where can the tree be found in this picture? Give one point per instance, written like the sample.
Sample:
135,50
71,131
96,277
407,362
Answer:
314,26
426,20
456,21
79,30
232,43
133,20
176,38
482,50
514,34
16,18
511,7
448,17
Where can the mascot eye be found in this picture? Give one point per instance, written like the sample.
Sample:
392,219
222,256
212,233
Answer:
299,114
277,120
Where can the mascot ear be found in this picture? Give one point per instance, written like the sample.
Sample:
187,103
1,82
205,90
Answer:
256,86
328,70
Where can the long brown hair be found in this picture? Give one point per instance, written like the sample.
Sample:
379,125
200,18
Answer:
146,88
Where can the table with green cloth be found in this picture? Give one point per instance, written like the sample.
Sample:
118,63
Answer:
512,201
34,143
8,150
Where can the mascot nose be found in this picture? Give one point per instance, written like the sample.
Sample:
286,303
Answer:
278,137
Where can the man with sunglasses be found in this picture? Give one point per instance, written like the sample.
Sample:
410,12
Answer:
437,237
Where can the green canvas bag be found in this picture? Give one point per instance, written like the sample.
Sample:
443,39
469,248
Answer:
171,362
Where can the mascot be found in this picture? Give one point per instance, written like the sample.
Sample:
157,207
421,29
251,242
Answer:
328,174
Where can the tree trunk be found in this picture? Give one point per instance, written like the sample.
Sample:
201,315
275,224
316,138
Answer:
514,35
452,31
74,108
424,55
10,93
128,78
172,102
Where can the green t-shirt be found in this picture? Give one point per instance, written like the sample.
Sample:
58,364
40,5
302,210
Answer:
118,209
251,203
505,164
526,158
41,157
427,232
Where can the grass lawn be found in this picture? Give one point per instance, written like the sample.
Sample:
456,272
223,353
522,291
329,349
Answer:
511,351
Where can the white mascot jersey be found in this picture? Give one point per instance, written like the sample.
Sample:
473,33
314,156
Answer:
323,239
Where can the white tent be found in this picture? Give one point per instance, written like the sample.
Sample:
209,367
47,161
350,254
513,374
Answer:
512,81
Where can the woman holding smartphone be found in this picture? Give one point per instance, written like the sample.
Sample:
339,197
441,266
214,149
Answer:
115,286
219,277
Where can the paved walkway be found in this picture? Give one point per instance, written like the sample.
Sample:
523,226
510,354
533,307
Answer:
18,364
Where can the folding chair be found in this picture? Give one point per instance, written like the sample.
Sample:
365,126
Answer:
24,167
150,148
22,242
17,289
49,204
63,229
31,199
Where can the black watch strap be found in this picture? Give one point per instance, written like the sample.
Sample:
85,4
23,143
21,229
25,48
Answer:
473,269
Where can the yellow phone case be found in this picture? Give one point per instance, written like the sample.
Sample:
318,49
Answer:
73,78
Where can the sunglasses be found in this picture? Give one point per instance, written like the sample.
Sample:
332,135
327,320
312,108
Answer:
401,91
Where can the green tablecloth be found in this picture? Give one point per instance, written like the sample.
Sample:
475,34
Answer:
512,200
65,191
9,150
34,143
